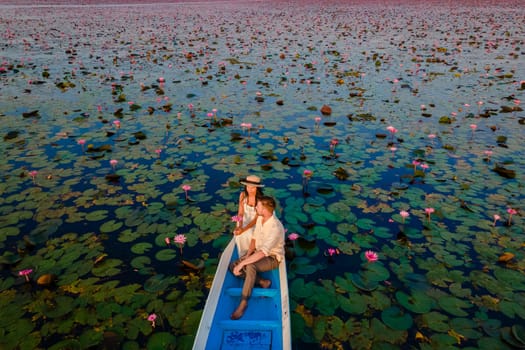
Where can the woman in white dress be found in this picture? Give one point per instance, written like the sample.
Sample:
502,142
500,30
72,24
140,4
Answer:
247,202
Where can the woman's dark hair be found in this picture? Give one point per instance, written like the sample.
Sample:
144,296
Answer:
258,194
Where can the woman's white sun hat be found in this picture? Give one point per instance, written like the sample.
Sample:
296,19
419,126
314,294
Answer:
252,180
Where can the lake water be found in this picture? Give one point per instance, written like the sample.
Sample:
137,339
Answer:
409,116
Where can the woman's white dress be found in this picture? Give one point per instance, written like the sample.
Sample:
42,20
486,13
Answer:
243,240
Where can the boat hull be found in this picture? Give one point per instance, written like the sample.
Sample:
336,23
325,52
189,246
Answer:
265,323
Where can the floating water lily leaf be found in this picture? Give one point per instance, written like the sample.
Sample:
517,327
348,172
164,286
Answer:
90,338
491,327
140,262
9,258
97,215
436,321
61,306
418,302
396,319
166,254
158,283
141,248
299,289
454,305
510,277
363,283
47,280
375,272
508,337
518,331
127,236
9,231
70,344
365,224
107,268
321,217
110,226
466,327
354,303
506,257
303,266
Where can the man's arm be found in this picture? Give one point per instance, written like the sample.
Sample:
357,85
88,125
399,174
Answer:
258,255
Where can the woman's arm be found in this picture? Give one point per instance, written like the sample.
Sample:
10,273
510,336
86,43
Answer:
240,210
240,230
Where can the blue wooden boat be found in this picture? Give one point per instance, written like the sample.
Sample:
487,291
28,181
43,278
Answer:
265,323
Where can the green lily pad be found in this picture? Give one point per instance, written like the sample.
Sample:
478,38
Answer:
166,254
161,341
365,224
97,215
107,267
158,283
396,319
355,303
141,248
518,331
436,321
418,302
61,306
363,283
140,262
454,305
70,344
110,226
508,337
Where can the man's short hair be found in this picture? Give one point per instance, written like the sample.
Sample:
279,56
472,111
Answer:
268,202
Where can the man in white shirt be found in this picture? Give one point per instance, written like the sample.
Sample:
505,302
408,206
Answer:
265,253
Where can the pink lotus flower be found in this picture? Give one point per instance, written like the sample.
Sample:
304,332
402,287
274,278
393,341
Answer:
113,163
333,143
81,142
152,318
25,273
33,174
331,251
496,218
116,123
392,130
158,151
429,211
293,236
307,174
371,256
186,188
404,214
237,219
180,240
511,212
167,240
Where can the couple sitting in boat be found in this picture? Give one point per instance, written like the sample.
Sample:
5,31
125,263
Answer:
260,242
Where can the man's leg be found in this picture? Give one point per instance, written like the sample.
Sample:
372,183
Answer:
250,273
